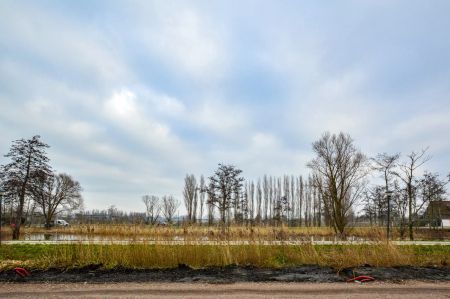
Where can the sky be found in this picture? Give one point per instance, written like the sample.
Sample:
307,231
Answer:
133,95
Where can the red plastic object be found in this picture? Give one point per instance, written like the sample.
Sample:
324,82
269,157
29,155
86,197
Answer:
361,279
22,272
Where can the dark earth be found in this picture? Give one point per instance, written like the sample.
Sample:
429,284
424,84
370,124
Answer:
231,274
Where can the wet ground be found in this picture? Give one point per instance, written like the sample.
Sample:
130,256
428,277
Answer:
231,274
70,237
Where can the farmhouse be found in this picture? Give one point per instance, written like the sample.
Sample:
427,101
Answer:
438,213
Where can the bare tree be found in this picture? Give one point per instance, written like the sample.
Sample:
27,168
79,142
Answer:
286,191
300,198
369,206
252,199
318,202
241,206
342,168
112,212
400,208
202,197
194,206
152,208
375,203
55,194
266,195
210,210
279,201
169,207
224,189
271,196
385,164
293,201
17,178
258,201
190,195
431,189
245,206
407,174
308,189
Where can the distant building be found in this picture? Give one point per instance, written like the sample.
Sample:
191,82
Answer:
438,213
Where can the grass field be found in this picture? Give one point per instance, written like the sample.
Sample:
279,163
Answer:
201,256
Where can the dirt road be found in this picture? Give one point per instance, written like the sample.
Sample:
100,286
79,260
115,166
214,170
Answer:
410,290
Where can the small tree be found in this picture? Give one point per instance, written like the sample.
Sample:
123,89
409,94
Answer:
210,210
202,197
112,213
56,193
224,189
190,196
400,208
152,208
169,207
407,173
385,164
342,168
28,158
281,209
431,189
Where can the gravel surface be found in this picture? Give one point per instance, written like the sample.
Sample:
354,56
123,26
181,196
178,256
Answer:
410,290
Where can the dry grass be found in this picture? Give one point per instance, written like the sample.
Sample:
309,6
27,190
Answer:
160,255
198,233
201,256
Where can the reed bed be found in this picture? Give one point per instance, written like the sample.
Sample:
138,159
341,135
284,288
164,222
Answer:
145,256
237,233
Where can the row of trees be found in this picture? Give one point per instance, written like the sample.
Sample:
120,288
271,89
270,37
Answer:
28,180
268,200
155,206
409,193
329,196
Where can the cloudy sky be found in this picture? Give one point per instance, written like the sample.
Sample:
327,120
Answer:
132,95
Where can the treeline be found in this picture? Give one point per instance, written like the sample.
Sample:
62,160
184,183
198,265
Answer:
336,189
268,200
405,199
111,215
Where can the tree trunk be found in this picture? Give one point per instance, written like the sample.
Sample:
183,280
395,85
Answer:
410,218
19,213
18,222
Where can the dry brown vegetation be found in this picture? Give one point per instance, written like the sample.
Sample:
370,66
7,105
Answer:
238,233
201,256
158,254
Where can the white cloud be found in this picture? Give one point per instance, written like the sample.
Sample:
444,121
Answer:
135,96
168,105
123,109
186,40
217,116
132,115
70,48
428,129
264,153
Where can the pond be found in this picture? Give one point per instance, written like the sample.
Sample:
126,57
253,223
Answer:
64,237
